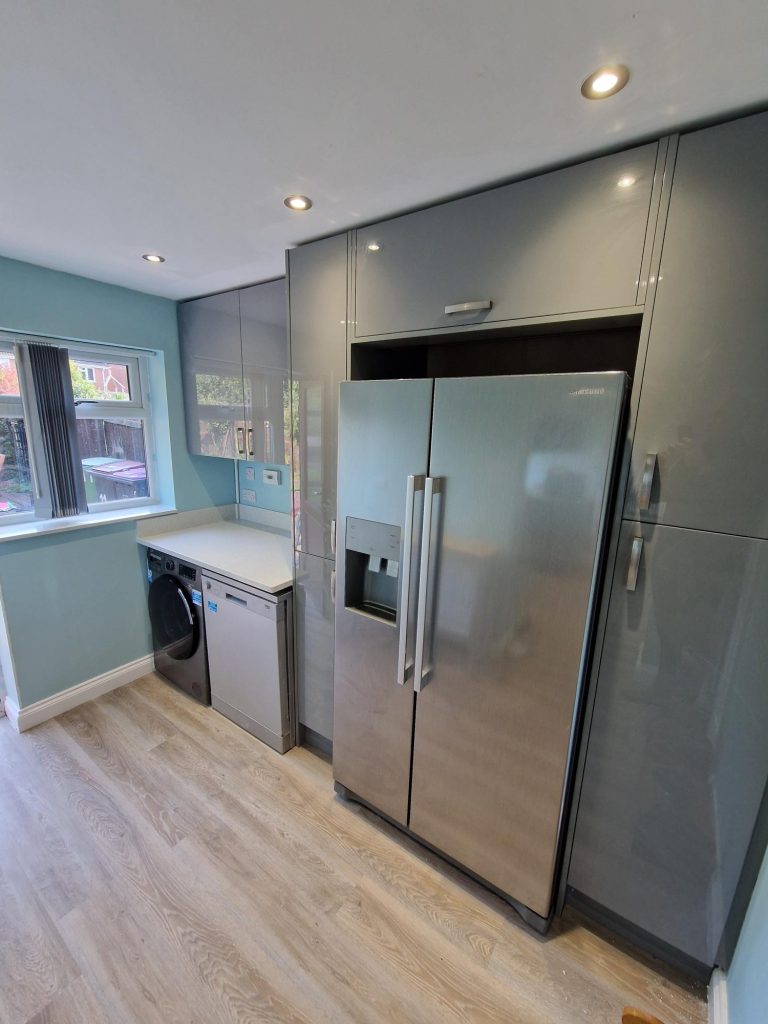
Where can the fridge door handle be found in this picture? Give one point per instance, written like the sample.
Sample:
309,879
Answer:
413,484
646,483
420,673
634,563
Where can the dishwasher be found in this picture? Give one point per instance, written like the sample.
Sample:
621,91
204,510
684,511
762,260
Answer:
249,659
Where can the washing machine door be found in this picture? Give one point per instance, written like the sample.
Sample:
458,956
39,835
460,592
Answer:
175,624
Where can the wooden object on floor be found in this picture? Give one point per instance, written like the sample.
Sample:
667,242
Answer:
633,1016
159,864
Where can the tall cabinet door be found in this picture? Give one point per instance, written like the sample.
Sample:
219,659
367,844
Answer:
212,365
515,552
677,758
383,439
313,623
266,377
702,417
317,276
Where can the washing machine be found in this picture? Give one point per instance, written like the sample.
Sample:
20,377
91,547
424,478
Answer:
178,625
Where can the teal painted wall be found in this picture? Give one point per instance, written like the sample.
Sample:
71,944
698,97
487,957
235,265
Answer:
748,973
75,602
268,496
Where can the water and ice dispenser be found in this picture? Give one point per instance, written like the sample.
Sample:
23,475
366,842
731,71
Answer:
372,568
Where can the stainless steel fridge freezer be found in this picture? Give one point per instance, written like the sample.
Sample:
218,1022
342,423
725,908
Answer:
471,521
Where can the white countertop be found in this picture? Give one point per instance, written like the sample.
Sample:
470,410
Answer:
250,554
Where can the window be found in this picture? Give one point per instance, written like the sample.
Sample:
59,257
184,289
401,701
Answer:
16,493
113,432
113,429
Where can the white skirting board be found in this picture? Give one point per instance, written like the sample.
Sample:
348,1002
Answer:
28,717
718,998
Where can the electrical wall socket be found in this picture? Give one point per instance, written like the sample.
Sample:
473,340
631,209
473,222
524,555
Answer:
271,476
248,497
250,473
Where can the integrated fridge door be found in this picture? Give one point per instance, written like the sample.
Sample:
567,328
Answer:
522,470
383,452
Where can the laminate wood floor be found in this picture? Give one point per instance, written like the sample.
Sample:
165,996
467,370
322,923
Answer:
157,864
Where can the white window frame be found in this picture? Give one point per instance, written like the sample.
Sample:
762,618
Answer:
136,407
14,406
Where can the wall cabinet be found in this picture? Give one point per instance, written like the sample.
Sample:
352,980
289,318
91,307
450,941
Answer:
212,368
317,276
568,241
313,622
702,433
266,374
234,354
677,759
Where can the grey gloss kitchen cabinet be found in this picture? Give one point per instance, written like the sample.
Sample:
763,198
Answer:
313,621
677,759
317,283
317,288
568,241
702,412
266,374
212,370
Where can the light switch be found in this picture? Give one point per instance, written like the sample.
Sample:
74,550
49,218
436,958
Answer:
248,497
250,473
271,477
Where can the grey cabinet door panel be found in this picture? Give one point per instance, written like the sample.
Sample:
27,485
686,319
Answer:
317,276
677,758
212,367
313,622
562,242
702,404
264,332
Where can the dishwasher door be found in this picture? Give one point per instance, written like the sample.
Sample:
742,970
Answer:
248,660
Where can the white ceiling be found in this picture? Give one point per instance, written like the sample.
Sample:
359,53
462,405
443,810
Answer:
178,126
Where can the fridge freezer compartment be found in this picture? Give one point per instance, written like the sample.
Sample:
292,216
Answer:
372,569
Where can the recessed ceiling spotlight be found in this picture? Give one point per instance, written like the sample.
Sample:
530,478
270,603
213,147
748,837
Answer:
152,257
605,82
298,203
373,247
626,181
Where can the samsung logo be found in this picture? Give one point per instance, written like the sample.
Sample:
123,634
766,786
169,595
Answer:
588,391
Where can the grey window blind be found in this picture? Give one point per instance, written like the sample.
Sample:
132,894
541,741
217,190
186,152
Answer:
49,367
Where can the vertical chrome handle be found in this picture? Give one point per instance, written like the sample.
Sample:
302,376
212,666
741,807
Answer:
240,440
333,587
251,452
646,483
634,563
413,484
420,674
333,538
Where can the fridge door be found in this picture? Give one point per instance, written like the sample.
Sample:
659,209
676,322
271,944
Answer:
383,440
522,469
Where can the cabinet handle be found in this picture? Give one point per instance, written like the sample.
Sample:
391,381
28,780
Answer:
469,307
634,563
241,440
646,483
250,442
333,538
333,587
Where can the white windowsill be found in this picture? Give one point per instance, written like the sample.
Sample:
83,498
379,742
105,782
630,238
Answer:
38,527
